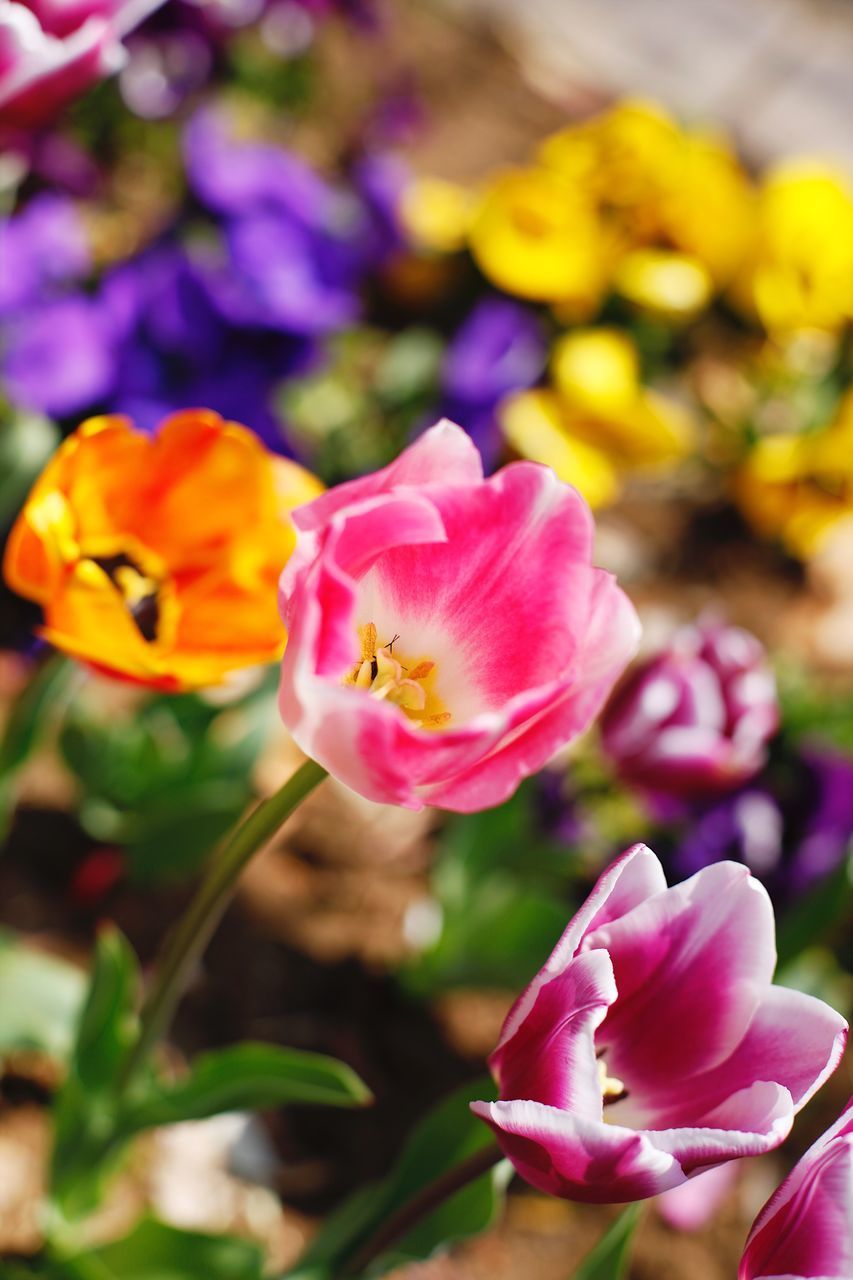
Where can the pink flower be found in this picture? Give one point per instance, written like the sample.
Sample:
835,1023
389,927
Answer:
51,50
447,634
652,1045
696,718
806,1228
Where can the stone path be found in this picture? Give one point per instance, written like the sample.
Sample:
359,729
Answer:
778,73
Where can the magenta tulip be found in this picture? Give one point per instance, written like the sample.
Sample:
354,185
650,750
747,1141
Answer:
652,1045
805,1231
446,633
51,50
695,719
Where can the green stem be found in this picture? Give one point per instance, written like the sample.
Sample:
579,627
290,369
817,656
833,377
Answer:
197,926
401,1222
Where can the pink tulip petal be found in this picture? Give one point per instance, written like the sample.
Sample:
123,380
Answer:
571,711
627,882
445,454
806,1228
556,1064
793,1039
690,966
581,1159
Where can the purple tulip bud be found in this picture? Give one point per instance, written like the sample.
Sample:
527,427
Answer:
695,719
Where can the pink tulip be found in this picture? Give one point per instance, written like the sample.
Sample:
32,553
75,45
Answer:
695,719
805,1231
447,634
652,1045
51,50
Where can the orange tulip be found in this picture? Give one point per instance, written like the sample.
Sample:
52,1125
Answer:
156,558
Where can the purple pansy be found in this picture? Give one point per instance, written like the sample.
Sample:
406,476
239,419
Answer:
791,829
500,348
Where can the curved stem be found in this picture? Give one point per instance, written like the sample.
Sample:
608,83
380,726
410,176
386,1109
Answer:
400,1223
198,924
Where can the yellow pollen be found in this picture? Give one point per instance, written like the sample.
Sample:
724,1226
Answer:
612,1089
389,677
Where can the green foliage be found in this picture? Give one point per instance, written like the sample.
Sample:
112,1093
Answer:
610,1258
246,1077
153,1251
446,1136
827,906
501,887
359,410
40,999
38,705
167,783
812,712
97,1111
85,1135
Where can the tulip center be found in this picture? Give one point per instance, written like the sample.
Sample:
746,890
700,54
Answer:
139,591
410,683
612,1089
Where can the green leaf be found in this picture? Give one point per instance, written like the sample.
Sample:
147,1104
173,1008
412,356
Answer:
449,1134
86,1141
36,705
41,998
247,1077
610,1258
167,783
153,1251
107,1025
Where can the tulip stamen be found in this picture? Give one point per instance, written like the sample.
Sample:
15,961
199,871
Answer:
612,1088
409,687
139,592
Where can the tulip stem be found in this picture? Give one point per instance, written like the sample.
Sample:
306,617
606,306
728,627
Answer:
402,1220
204,913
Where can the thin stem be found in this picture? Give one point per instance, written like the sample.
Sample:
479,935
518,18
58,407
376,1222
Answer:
400,1223
197,926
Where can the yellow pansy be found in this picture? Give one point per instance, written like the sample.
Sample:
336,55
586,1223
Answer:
657,187
798,487
536,236
799,271
598,422
537,427
436,214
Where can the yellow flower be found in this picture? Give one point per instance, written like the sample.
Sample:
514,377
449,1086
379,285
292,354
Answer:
624,160
536,426
599,422
436,214
799,270
659,280
798,487
656,187
536,236
157,558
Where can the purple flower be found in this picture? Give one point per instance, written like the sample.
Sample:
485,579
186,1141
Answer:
499,349
694,720
792,828
233,177
296,248
174,349
41,248
57,357
278,277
